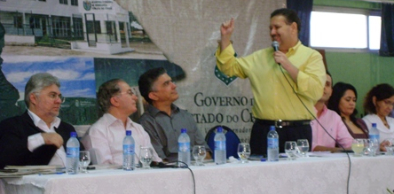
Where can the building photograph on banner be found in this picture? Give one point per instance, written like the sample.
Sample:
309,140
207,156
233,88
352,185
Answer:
88,28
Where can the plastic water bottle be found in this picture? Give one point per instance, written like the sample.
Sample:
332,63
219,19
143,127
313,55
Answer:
273,145
72,147
184,148
374,134
128,152
220,147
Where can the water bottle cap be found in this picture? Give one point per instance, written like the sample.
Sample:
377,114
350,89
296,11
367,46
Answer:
272,128
183,130
128,133
219,129
73,134
373,124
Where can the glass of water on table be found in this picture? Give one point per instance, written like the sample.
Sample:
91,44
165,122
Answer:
291,149
243,152
303,146
84,161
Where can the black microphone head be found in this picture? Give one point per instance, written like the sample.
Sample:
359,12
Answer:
275,45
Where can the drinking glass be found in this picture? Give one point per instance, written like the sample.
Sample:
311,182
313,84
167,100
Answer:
84,161
389,150
389,145
244,152
146,155
303,146
291,149
357,147
371,147
199,152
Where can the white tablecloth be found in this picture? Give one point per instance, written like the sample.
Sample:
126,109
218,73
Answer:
306,175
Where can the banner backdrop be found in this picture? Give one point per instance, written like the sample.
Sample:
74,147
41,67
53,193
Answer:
85,43
187,32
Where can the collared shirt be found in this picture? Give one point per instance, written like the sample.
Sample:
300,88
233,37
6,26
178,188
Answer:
36,140
334,125
164,130
384,132
106,136
274,99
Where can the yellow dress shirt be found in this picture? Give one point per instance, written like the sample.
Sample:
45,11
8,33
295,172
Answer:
274,98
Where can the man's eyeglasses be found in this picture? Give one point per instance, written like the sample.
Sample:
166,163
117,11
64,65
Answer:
130,92
54,96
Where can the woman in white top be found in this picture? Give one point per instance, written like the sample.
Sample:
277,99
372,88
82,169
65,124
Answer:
378,104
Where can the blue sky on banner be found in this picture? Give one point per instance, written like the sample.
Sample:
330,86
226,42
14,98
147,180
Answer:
76,74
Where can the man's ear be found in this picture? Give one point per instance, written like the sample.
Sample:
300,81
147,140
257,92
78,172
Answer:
294,27
33,98
153,96
114,101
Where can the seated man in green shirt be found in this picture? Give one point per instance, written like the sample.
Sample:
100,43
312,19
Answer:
162,119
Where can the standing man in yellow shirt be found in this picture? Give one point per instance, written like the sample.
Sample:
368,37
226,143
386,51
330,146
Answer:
279,80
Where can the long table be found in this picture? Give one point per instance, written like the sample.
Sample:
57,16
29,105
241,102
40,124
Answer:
304,175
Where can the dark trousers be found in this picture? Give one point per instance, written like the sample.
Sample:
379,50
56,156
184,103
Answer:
258,137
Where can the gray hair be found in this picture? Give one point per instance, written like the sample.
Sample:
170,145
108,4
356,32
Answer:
37,82
106,91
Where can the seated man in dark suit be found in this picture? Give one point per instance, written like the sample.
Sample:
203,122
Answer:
37,137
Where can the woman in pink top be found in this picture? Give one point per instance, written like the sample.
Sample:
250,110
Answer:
343,101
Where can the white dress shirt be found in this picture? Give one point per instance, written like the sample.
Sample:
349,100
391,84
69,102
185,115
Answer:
106,136
384,132
36,140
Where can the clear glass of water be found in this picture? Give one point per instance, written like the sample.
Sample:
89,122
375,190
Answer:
244,152
146,155
291,149
357,147
84,161
371,147
199,153
389,145
303,146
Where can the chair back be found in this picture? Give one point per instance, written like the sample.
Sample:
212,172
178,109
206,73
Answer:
232,141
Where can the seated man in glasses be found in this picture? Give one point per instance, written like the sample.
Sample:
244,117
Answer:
117,102
38,136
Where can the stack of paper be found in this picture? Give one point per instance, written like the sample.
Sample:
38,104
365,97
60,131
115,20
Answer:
18,171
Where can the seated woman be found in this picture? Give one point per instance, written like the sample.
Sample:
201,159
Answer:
378,104
343,101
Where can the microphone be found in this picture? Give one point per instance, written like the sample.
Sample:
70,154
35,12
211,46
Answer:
275,45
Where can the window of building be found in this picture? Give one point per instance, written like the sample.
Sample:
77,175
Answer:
93,28
77,26
61,27
34,22
375,27
355,29
65,2
111,31
18,21
74,2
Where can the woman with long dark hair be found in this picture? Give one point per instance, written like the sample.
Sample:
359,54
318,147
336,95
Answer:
343,101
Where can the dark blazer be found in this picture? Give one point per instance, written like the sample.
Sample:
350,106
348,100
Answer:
14,132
